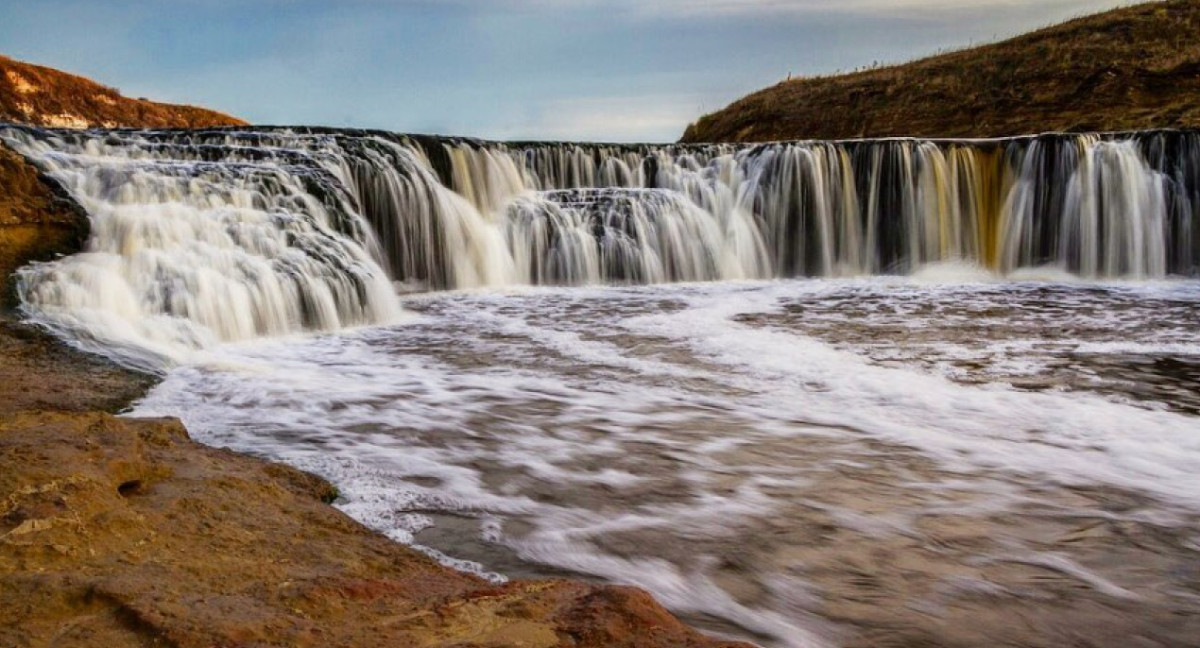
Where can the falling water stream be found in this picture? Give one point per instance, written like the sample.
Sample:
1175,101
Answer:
860,393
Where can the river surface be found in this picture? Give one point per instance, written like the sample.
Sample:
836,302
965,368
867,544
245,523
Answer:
874,462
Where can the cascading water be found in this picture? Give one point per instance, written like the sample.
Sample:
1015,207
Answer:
209,236
745,451
638,236
186,252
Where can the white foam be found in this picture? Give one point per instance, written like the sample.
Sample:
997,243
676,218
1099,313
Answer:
1074,439
953,272
1140,348
1068,567
562,419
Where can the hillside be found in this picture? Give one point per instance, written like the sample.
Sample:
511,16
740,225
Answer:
1131,68
42,96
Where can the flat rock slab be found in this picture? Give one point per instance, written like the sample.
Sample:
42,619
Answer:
124,532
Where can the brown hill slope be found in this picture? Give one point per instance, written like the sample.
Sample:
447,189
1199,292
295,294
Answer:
1127,69
42,96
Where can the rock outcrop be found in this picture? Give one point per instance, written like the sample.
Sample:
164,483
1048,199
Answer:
117,532
37,221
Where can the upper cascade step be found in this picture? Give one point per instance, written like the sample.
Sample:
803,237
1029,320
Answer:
201,237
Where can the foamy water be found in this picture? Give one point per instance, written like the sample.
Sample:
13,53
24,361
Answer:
795,463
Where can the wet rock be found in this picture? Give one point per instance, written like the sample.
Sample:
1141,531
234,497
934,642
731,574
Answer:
124,532
37,221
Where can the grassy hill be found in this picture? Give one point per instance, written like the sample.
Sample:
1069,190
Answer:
1131,68
42,96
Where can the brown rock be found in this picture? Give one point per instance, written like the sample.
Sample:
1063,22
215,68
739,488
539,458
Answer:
122,532
36,221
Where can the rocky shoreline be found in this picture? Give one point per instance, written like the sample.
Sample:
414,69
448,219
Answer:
118,532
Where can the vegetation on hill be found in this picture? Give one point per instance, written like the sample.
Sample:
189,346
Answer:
1127,69
42,96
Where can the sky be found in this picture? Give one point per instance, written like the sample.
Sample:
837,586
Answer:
593,70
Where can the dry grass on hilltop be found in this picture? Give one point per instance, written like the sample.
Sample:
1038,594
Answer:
1127,69
42,96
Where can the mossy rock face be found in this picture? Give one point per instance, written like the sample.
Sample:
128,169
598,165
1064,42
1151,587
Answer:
38,221
331,495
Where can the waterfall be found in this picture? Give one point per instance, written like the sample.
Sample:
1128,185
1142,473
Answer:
202,237
638,236
192,245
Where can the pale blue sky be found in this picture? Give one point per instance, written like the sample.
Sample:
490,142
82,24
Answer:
612,70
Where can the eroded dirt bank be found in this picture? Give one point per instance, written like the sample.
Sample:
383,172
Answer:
124,532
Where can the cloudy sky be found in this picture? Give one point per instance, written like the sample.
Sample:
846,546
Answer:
613,70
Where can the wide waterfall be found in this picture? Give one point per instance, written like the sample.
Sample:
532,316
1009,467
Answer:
200,237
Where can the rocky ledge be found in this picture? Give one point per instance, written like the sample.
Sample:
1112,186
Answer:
124,532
